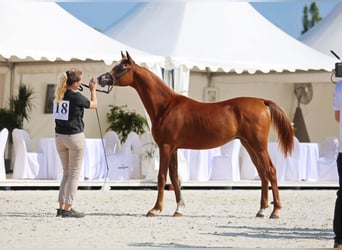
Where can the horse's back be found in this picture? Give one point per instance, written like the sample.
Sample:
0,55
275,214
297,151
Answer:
249,106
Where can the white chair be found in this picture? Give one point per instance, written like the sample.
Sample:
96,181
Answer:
278,159
125,164
226,166
26,162
3,142
327,166
112,142
112,146
148,156
132,148
248,170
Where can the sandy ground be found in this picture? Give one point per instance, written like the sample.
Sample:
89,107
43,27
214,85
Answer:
212,218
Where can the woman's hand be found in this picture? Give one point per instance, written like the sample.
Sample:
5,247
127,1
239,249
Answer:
92,84
93,98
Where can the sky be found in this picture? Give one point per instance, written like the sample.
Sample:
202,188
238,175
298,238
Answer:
287,15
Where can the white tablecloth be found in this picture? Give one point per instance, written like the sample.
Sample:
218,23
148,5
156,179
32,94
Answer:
301,165
94,166
199,163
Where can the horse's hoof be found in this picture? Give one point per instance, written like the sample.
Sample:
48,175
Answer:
274,216
177,214
150,214
260,215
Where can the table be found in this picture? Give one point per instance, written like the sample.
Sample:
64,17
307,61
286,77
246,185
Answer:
301,165
198,163
94,165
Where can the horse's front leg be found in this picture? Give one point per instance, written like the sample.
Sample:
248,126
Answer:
173,171
164,160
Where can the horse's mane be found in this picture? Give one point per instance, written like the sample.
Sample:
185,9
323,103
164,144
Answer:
157,82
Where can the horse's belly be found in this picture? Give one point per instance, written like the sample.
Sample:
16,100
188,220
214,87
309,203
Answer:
204,142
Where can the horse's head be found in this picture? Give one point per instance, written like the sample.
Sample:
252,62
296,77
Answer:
120,75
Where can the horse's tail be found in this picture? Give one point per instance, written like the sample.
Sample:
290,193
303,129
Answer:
282,125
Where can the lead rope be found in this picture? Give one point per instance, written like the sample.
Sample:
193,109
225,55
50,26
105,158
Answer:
104,188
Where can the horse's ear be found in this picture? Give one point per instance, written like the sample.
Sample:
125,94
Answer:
123,55
129,57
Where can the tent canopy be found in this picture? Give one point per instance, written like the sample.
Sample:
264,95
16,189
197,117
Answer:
33,31
326,35
231,36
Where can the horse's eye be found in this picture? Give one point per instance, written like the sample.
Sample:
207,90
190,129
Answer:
122,68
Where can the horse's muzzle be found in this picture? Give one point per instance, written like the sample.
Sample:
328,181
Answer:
105,80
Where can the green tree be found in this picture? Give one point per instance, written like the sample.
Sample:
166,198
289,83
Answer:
311,17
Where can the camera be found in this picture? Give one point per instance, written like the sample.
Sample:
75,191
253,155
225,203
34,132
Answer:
338,66
338,69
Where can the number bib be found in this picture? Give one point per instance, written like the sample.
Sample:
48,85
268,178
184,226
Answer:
61,110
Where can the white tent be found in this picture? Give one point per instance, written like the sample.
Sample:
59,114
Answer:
229,50
327,34
33,31
39,41
231,36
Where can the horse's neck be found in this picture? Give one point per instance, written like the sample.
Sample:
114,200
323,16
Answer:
153,92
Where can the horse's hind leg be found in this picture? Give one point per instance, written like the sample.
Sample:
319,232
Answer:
264,196
269,175
173,171
275,192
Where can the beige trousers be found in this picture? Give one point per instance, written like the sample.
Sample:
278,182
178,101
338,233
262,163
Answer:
71,151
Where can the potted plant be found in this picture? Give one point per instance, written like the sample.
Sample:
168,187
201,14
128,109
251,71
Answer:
123,121
20,107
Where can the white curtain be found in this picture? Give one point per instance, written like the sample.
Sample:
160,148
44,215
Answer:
180,75
181,80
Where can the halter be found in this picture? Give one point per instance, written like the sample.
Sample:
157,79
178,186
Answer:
107,82
107,79
109,88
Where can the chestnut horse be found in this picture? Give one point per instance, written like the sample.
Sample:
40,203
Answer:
181,122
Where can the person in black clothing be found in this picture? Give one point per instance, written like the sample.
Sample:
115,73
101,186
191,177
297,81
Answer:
69,105
337,222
